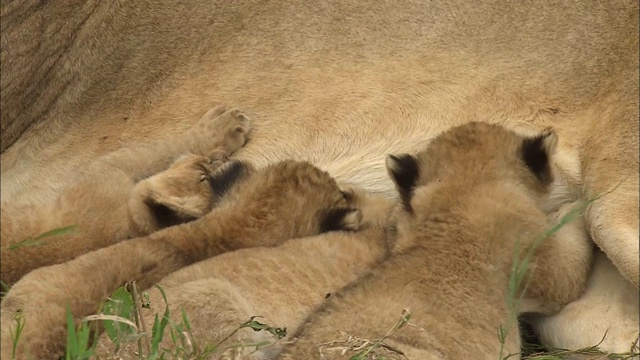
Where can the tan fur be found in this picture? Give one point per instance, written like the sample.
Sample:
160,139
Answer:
614,327
283,284
472,200
183,189
113,199
339,84
264,208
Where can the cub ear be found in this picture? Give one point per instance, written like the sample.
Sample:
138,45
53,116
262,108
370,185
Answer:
536,153
341,219
403,170
165,206
228,175
170,214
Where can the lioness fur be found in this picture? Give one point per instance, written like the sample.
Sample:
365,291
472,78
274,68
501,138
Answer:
607,296
471,201
116,198
340,85
282,285
259,208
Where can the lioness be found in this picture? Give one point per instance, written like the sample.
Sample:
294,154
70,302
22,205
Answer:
471,203
340,84
259,208
115,198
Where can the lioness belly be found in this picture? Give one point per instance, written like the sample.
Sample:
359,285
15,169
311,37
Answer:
336,84
345,123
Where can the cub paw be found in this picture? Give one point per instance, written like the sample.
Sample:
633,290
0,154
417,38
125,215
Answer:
572,212
179,194
220,133
237,127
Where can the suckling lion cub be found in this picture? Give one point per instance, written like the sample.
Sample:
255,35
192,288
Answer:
258,208
466,200
113,199
283,285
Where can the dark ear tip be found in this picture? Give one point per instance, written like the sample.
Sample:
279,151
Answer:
166,217
536,153
341,219
404,172
395,163
227,166
227,175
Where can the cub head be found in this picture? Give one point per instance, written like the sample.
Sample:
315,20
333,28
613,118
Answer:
291,199
476,154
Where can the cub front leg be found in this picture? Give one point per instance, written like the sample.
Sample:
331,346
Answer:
217,134
562,263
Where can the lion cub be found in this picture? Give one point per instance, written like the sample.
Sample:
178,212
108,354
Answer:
283,285
113,199
254,208
467,200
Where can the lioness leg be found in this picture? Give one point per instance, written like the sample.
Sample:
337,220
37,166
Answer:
613,223
608,307
610,172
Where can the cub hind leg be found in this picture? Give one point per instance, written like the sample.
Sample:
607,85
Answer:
225,312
